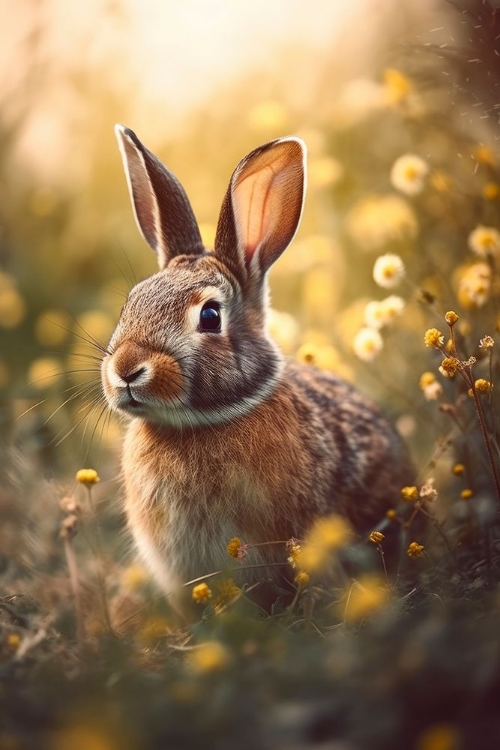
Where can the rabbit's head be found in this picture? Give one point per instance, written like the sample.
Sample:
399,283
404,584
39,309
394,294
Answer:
190,347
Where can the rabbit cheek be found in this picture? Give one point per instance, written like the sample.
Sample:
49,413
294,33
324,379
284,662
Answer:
167,382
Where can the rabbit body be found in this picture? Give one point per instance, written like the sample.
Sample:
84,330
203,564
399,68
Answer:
226,439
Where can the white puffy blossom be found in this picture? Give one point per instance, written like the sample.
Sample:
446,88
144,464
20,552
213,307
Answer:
408,174
484,241
388,270
367,343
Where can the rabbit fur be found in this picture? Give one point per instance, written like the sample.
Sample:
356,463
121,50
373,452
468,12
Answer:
225,438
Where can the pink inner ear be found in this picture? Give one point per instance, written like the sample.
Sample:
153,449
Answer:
256,208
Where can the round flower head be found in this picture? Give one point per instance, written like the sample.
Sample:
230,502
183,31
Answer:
388,270
367,344
88,477
484,241
201,593
408,174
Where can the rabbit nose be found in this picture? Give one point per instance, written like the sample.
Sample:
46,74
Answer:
132,376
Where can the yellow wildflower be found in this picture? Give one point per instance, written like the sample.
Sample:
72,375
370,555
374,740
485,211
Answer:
415,549
13,641
365,597
491,191
433,338
388,270
458,470
475,286
451,317
409,493
449,366
466,494
408,174
376,537
396,86
302,578
391,514
233,547
294,557
483,386
225,591
484,241
484,155
325,537
487,342
88,477
211,656
426,379
201,593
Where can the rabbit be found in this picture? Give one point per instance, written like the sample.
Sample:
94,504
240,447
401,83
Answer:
226,438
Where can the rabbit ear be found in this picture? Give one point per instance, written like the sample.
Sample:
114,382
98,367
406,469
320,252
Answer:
262,207
162,209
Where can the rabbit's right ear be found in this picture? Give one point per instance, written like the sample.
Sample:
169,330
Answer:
161,207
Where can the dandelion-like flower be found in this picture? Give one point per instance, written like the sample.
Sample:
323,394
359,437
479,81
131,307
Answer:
409,493
408,174
433,338
484,241
391,514
428,493
211,656
415,550
483,386
88,477
225,591
326,536
475,286
487,342
294,554
201,593
367,344
378,314
302,578
451,317
449,367
233,547
388,270
376,537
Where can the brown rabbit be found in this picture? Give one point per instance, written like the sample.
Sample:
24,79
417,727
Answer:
226,438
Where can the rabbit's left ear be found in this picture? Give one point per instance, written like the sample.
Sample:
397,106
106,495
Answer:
262,208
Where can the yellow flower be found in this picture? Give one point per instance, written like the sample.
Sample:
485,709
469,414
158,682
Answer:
408,174
302,578
451,318
225,591
201,593
433,338
491,191
379,314
294,554
484,241
233,547
449,366
391,514
367,344
365,597
441,181
211,656
409,493
153,629
426,379
466,494
376,537
396,86
458,470
486,342
388,270
88,477
326,536
483,386
484,155
415,549
13,641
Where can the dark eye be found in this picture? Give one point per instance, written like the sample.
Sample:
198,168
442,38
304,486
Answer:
210,317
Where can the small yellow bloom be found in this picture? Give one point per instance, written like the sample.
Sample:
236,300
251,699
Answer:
302,578
426,379
484,241
225,591
13,641
487,342
475,286
449,366
326,536
415,549
391,514
484,155
451,317
294,557
483,386
201,593
376,537
466,494
88,477
409,493
211,656
396,86
491,191
433,338
233,547
458,470
365,597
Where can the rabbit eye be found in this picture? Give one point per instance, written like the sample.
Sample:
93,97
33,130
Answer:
210,317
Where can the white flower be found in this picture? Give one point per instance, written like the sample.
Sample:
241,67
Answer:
379,314
367,344
388,270
484,241
433,391
392,307
408,174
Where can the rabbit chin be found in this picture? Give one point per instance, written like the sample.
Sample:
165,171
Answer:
177,414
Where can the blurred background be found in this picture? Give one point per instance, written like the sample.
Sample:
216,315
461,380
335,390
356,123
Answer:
364,82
